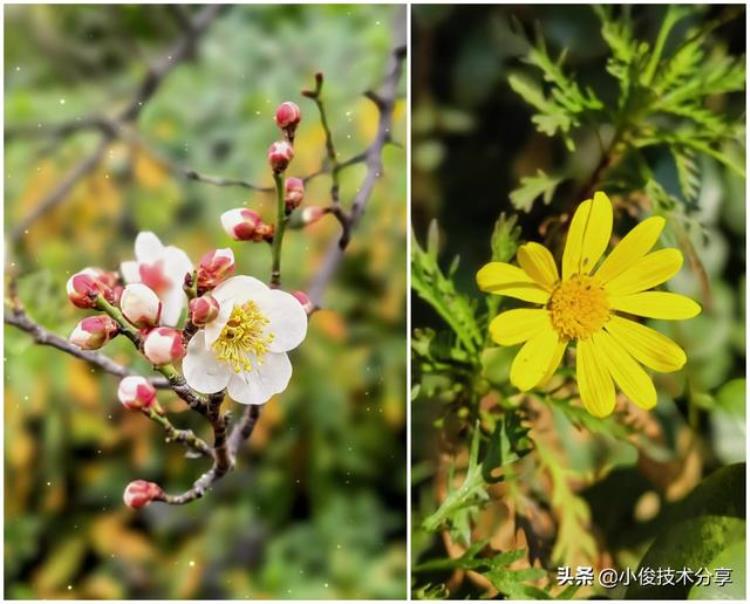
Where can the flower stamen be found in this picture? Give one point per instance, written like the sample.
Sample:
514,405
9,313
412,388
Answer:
578,307
243,333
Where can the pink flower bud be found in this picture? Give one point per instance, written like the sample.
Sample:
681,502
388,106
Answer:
240,223
84,287
164,345
94,332
305,301
280,154
203,310
312,214
288,115
135,392
140,493
264,232
215,266
294,193
140,305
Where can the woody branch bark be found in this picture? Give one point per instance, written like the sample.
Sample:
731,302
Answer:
384,100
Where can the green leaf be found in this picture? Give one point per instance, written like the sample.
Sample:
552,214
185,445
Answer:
693,544
709,520
505,238
732,557
470,494
532,187
509,443
688,172
509,582
731,397
431,284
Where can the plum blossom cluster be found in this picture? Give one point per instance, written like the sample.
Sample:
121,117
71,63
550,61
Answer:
207,330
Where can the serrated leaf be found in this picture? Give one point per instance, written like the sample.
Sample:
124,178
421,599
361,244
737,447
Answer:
439,291
533,187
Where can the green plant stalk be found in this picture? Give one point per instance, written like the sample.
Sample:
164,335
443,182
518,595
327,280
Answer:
125,326
278,236
670,19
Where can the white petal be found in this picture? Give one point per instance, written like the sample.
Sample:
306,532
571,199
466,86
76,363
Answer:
288,320
239,290
203,372
255,387
148,248
172,304
129,271
177,264
213,329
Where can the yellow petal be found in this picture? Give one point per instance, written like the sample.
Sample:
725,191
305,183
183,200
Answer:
532,361
647,272
636,244
554,362
588,236
508,280
656,305
519,325
539,264
634,382
594,381
648,346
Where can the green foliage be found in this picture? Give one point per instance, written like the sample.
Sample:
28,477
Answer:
532,187
647,106
707,524
505,238
508,443
453,511
438,290
561,103
496,568
665,97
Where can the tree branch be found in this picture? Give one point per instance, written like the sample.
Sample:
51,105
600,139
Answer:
19,319
384,100
185,437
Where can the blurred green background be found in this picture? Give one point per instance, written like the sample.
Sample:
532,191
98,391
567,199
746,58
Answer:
472,142
316,506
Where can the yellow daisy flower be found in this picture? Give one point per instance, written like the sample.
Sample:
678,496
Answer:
583,306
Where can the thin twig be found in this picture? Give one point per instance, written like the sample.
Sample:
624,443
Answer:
316,96
384,100
19,319
185,437
243,429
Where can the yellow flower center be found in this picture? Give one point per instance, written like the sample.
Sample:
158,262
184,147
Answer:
243,334
578,307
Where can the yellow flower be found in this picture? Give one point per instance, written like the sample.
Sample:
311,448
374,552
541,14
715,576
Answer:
583,306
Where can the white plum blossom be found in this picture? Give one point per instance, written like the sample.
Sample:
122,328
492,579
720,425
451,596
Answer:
244,348
163,269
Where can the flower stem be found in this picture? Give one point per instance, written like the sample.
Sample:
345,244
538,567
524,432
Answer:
278,236
125,326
